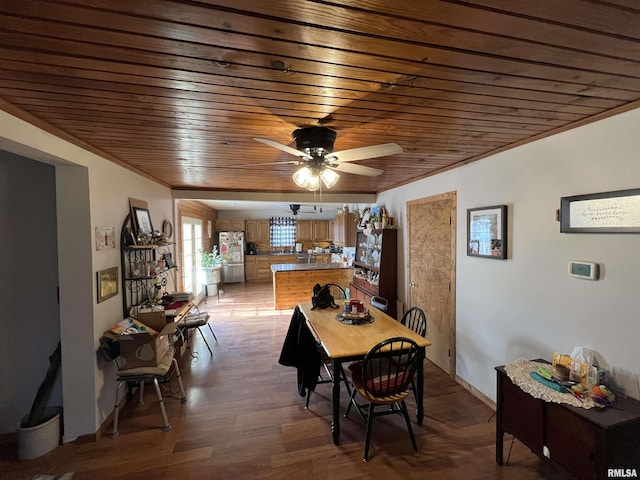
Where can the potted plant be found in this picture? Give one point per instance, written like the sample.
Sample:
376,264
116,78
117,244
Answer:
211,264
375,219
39,431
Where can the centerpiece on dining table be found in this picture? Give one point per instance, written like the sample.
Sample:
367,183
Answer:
355,313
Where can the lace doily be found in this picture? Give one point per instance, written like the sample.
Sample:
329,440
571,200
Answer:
348,321
519,371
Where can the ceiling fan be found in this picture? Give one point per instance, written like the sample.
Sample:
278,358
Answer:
315,153
295,208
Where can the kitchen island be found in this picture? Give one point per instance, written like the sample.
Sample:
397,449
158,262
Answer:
293,282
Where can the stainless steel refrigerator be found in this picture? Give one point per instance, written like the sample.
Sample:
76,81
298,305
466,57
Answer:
231,247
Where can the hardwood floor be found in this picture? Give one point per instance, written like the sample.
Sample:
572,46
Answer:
245,419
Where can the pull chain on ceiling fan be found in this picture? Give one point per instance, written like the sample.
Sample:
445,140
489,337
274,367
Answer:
320,163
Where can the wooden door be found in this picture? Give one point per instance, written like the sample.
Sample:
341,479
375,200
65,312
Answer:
431,272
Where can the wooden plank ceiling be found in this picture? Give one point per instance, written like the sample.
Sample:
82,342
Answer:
179,89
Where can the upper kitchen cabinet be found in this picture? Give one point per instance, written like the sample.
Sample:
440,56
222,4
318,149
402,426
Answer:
263,228
314,230
237,225
257,231
222,225
251,230
321,230
304,230
227,225
344,230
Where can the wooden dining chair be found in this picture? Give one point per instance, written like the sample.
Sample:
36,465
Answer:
416,320
383,379
325,375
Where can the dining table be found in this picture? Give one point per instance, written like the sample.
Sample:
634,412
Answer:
346,342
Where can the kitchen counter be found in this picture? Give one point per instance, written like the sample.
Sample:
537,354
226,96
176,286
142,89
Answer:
291,267
293,282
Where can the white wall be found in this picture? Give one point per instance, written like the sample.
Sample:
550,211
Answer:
527,306
90,192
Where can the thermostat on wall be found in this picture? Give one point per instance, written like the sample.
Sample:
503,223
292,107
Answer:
584,270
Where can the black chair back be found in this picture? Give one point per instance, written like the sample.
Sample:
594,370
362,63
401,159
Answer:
388,368
415,319
337,292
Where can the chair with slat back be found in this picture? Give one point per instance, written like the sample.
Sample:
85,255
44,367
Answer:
383,379
415,319
338,293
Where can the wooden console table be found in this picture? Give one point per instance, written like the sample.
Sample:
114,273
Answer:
584,443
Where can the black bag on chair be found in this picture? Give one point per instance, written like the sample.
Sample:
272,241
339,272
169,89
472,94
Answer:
322,297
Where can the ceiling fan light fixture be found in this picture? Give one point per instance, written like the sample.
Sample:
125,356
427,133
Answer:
305,177
329,177
309,178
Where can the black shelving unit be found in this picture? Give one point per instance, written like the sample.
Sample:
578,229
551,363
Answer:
140,270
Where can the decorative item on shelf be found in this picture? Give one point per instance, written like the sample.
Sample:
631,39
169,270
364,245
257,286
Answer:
375,220
364,219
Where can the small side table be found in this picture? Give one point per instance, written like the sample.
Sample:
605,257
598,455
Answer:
205,290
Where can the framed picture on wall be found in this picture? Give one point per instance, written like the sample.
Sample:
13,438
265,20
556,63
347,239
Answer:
487,232
606,212
141,219
107,281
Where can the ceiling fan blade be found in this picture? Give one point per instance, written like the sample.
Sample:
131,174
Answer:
284,148
356,169
362,153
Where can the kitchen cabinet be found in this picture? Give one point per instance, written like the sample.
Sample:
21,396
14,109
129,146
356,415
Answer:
251,230
376,267
344,230
263,268
320,230
227,225
304,230
222,225
584,443
235,224
257,231
263,228
250,268
312,230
